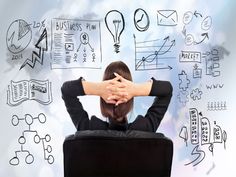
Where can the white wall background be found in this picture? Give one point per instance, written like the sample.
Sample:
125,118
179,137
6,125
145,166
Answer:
34,142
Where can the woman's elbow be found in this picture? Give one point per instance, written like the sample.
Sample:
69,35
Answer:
64,88
169,88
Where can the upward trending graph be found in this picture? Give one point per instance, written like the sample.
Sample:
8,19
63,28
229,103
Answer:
149,55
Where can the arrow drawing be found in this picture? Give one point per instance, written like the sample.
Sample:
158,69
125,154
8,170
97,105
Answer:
41,45
196,14
205,35
205,22
200,156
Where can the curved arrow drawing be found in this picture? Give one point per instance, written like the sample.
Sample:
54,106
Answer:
172,44
205,35
200,156
196,14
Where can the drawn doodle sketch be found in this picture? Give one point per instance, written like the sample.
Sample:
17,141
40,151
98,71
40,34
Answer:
184,81
197,72
190,56
115,24
191,20
23,140
19,35
216,106
76,44
202,132
183,97
212,60
196,94
184,134
214,86
37,56
183,88
153,54
194,126
167,17
141,20
24,90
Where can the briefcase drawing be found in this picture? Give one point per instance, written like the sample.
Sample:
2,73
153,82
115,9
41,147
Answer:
167,17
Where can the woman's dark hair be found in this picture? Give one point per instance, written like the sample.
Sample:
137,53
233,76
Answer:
111,111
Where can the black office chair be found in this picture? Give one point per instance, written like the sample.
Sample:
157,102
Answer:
109,153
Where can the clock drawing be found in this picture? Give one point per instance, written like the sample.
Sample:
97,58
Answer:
141,20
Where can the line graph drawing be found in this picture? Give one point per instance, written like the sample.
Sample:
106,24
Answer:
149,55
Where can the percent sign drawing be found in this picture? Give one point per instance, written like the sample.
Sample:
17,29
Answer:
149,53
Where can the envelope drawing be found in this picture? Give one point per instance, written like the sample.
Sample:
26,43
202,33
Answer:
167,17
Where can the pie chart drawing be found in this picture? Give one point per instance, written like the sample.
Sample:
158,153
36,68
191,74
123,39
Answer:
19,35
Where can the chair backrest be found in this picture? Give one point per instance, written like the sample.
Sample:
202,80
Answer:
117,154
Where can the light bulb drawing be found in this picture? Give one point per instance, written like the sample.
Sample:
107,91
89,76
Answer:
115,23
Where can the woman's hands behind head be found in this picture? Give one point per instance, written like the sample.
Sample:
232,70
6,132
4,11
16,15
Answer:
119,89
114,91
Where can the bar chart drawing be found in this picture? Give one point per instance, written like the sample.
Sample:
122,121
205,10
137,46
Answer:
151,54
